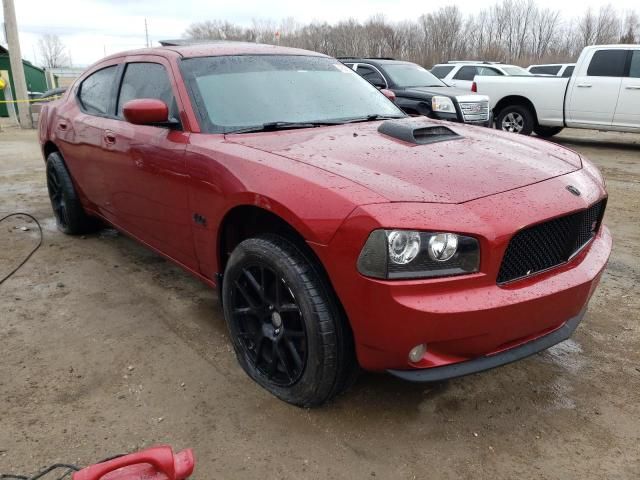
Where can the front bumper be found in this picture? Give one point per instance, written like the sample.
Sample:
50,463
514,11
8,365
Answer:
488,362
468,318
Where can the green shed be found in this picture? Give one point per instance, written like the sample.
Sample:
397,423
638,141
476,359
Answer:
36,80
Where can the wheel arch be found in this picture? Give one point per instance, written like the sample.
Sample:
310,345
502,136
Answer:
246,221
512,100
48,148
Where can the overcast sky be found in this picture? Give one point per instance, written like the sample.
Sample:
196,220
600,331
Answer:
91,28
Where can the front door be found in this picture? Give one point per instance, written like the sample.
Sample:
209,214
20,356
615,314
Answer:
148,182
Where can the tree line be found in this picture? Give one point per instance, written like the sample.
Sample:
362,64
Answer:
510,31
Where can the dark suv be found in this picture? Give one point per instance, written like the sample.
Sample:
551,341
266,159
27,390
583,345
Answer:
418,92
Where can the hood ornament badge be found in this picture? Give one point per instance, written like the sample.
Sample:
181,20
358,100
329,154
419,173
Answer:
574,190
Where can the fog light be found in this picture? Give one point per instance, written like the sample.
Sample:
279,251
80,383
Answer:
417,352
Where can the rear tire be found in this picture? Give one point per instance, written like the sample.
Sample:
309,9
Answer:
70,216
547,132
287,329
515,119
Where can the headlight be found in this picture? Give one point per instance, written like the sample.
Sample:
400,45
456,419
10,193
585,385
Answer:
396,254
442,104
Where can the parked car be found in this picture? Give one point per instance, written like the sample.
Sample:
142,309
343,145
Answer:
47,96
461,73
339,231
418,92
603,93
552,69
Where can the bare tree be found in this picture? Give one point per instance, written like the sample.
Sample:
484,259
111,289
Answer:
517,31
53,52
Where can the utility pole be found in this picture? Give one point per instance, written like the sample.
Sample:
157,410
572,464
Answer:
15,58
146,32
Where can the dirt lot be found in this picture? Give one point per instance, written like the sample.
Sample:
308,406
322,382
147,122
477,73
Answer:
108,348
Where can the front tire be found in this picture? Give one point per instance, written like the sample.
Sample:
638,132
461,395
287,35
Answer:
547,132
516,119
287,330
70,216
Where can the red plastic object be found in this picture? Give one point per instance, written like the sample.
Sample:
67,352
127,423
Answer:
157,463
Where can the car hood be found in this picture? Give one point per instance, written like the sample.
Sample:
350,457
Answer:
446,91
481,162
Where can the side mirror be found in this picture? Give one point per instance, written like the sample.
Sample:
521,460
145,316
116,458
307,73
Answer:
389,94
146,111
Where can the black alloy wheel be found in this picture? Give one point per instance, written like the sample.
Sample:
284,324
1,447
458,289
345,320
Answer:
269,324
289,332
57,199
70,216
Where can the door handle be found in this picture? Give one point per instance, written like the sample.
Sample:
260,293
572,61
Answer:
633,87
584,85
62,125
110,138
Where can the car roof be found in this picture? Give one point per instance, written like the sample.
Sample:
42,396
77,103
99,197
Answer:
551,65
219,48
382,61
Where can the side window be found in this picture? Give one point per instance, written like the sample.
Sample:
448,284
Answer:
547,69
146,80
372,76
95,91
488,72
466,73
441,71
607,63
350,65
568,71
634,70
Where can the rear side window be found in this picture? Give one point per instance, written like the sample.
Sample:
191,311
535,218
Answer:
466,73
607,63
634,70
546,70
146,80
441,71
568,71
95,91
488,72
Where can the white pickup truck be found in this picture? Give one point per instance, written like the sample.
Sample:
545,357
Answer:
603,94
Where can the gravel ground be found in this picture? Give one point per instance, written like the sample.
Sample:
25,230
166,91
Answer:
108,348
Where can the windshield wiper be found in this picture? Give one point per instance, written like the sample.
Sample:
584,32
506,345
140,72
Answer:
371,118
273,126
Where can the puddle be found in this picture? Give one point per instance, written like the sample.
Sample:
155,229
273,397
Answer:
567,355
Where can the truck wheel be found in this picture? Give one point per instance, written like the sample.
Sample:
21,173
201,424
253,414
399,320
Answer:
287,330
70,216
515,119
547,132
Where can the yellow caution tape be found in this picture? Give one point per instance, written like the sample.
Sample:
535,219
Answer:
33,100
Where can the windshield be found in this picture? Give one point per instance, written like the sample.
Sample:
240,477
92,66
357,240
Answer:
232,92
513,70
411,75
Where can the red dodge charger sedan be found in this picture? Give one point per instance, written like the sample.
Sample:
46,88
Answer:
340,232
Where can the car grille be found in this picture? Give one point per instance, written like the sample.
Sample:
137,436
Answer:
475,111
549,244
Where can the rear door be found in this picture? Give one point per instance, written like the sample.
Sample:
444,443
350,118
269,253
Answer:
80,134
147,175
463,78
628,109
594,89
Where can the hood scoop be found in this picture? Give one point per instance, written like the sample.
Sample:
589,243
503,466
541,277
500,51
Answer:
407,132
